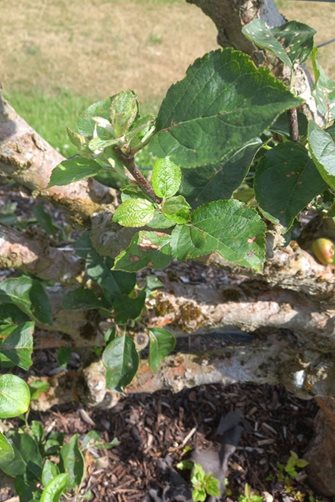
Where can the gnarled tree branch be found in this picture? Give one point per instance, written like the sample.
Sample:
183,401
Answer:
34,256
28,159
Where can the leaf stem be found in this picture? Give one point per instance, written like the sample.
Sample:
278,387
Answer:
143,183
293,124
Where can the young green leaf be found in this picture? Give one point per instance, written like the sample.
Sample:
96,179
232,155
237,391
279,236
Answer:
127,308
72,170
162,343
37,431
100,144
212,485
204,184
10,316
93,438
223,102
166,178
227,227
55,488
28,295
73,461
98,268
82,299
159,222
87,122
322,149
44,220
134,213
286,181
121,360
38,387
177,209
14,396
27,459
123,112
26,489
76,139
261,35
18,346
49,472
147,249
6,450
140,132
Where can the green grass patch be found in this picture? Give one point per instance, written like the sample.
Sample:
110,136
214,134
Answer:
50,115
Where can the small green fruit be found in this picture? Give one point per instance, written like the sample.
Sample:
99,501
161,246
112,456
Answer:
324,250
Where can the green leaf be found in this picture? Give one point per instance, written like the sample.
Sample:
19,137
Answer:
227,227
86,123
40,305
121,360
82,299
49,472
208,183
134,213
38,387
297,39
37,431
223,102
29,296
73,461
286,181
55,488
44,220
166,178
10,318
25,487
6,450
27,459
322,150
127,308
101,144
63,355
177,209
324,90
14,396
147,249
98,268
261,35
140,132
123,111
212,485
162,343
93,438
72,170
18,346
159,222
76,139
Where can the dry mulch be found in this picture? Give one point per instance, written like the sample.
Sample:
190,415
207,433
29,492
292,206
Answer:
150,427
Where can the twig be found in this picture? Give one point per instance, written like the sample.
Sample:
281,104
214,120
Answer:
129,163
326,43
293,124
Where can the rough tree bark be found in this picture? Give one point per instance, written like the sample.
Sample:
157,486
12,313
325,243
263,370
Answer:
289,309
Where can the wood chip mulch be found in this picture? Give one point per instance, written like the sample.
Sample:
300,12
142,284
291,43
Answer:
152,427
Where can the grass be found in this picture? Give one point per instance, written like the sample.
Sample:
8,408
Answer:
50,115
57,56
